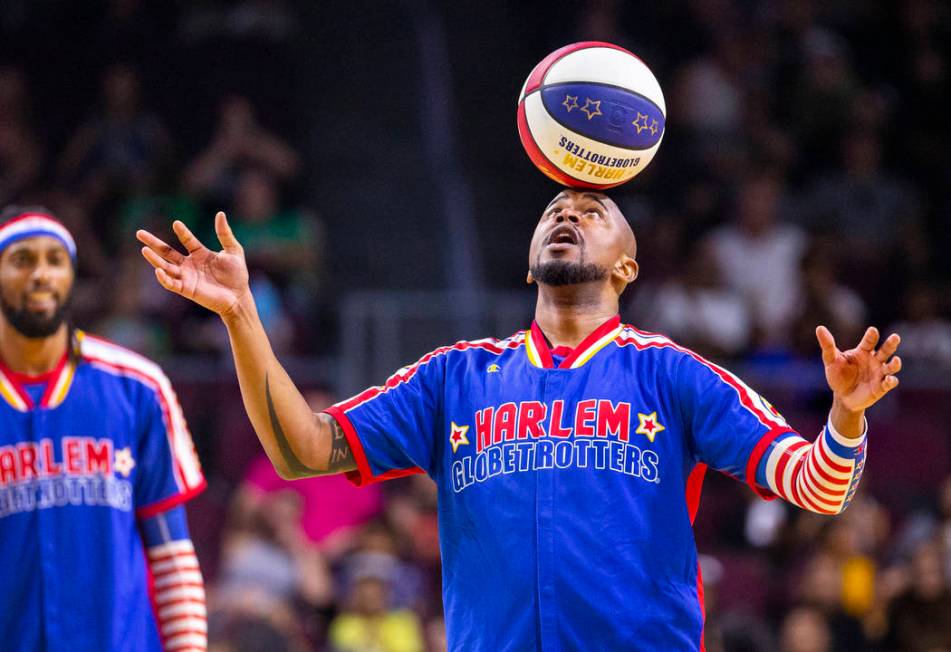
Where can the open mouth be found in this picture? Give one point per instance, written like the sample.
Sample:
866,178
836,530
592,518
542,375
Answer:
563,236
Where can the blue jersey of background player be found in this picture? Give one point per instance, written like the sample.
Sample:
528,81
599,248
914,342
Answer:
568,456
95,462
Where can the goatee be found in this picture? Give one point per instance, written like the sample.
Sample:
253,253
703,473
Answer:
35,325
562,272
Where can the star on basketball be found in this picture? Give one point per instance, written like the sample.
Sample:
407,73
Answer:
653,127
595,107
641,122
649,425
457,436
571,102
124,462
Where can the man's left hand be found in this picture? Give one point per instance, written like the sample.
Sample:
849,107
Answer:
861,376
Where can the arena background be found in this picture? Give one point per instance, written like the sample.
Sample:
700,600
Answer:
368,156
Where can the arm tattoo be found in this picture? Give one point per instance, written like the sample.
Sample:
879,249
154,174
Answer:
294,464
341,456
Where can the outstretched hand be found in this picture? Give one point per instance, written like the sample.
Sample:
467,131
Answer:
861,376
216,280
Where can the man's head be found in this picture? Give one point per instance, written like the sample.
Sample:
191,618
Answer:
582,237
37,270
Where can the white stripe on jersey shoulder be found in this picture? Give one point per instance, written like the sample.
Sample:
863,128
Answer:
97,348
490,344
749,398
118,360
405,374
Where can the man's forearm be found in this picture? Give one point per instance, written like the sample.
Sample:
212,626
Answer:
298,442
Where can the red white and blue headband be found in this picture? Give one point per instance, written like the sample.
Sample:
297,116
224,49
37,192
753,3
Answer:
31,225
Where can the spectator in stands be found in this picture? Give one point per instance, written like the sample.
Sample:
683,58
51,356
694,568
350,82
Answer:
120,150
378,552
284,243
699,311
21,153
804,629
759,256
239,142
918,619
369,624
822,589
269,569
128,320
872,209
925,331
824,300
332,509
824,96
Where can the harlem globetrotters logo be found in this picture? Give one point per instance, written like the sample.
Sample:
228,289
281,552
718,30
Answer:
70,471
534,436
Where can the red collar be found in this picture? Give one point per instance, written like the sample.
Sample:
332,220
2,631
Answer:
588,347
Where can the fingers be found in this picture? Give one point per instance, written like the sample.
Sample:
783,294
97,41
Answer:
157,245
158,262
893,366
827,344
186,237
869,340
225,234
889,383
169,283
888,349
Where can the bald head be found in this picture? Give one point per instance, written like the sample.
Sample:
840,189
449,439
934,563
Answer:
612,210
585,235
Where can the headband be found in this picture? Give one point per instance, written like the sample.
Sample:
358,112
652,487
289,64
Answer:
30,225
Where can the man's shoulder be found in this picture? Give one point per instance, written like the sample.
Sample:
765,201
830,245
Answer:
115,359
636,340
488,346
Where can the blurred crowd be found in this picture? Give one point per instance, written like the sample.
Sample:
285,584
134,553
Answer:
804,179
119,172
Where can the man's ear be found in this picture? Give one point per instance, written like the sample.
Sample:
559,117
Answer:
529,279
625,269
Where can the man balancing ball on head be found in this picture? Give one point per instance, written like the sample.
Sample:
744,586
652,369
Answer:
569,457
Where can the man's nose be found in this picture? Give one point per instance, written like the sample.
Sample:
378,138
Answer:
569,215
41,272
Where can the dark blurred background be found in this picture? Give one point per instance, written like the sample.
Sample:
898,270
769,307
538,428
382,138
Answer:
367,155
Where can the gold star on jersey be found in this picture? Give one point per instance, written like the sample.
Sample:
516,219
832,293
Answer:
649,426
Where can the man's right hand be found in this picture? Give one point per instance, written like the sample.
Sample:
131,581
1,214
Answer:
217,280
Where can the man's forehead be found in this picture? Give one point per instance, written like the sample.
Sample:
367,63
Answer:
599,197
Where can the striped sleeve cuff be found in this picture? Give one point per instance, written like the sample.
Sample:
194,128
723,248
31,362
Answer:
821,477
178,596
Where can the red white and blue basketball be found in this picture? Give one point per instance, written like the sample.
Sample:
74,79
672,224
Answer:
591,115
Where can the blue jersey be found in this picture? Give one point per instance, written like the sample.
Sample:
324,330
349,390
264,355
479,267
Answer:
566,493
104,445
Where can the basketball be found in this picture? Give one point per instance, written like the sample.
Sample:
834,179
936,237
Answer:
591,115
